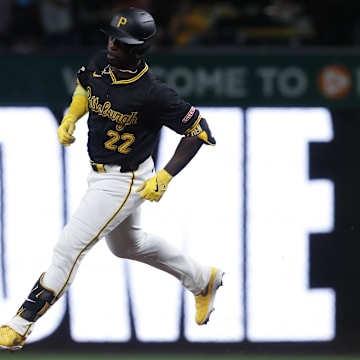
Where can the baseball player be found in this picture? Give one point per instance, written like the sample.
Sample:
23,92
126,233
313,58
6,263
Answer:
127,106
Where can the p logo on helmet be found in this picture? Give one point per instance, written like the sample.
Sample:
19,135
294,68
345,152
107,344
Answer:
134,27
122,21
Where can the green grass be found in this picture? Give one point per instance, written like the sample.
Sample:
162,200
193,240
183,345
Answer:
23,355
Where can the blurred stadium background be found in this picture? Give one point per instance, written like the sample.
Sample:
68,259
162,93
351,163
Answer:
52,356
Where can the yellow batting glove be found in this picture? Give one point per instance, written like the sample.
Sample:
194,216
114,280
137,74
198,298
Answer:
66,129
154,188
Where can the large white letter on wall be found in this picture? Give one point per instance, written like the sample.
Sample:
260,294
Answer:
284,207
32,207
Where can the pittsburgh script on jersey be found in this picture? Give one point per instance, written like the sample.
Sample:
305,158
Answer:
105,110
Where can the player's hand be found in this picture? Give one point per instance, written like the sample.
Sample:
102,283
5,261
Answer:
66,129
154,188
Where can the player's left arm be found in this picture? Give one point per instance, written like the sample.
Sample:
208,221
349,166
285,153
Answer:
197,135
154,188
201,130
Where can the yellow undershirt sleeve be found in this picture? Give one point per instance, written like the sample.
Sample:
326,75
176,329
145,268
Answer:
79,103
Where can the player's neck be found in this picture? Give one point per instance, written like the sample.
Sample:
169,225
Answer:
125,72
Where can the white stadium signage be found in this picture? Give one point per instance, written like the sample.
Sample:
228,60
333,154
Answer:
246,205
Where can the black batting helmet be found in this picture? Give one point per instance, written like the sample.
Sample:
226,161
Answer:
132,26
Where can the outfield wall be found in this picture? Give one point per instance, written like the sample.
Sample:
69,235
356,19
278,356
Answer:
282,219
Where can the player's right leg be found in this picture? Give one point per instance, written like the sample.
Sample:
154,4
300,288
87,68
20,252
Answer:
204,301
129,241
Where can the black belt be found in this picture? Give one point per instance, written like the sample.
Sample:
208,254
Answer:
100,168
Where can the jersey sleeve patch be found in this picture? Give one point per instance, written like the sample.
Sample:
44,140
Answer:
189,115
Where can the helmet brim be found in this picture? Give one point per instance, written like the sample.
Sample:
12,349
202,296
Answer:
121,35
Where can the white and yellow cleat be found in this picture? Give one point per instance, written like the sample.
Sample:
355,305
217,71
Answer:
204,302
10,339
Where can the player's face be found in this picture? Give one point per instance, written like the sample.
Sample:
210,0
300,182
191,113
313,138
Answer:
118,54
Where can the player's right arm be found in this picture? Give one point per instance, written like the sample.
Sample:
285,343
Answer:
78,107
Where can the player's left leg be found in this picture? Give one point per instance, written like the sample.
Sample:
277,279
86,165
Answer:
109,200
36,304
78,237
129,241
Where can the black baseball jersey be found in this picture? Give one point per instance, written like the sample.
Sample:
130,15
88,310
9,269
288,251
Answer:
125,116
